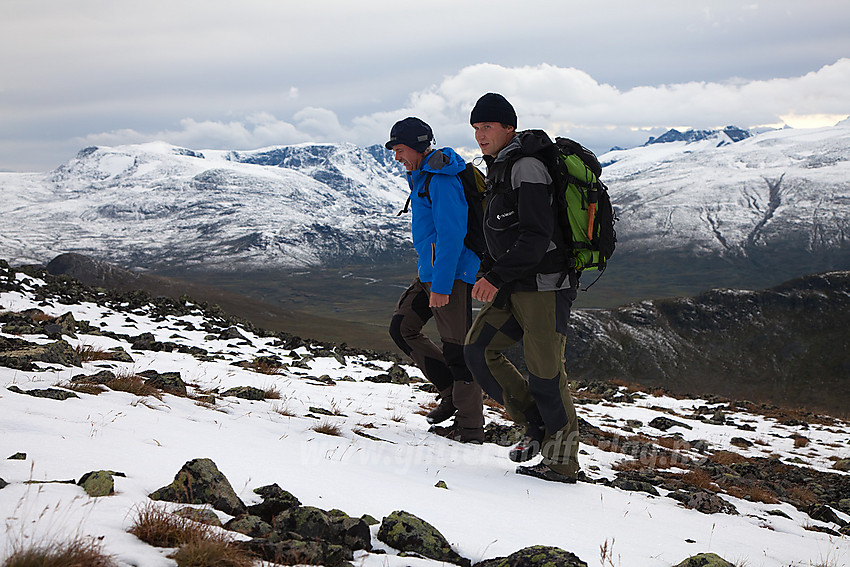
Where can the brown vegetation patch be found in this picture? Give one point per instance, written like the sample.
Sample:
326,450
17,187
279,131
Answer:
75,553
88,353
800,441
134,385
698,478
266,365
727,458
753,493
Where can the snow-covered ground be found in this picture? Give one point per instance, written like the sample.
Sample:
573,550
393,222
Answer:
487,510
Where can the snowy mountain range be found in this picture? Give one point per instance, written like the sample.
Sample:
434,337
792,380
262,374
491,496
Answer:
768,207
160,205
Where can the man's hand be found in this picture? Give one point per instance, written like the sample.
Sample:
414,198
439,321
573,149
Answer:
438,300
484,291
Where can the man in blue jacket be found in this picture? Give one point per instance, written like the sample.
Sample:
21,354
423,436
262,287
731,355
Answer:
446,273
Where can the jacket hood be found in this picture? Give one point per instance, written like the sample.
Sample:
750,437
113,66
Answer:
444,161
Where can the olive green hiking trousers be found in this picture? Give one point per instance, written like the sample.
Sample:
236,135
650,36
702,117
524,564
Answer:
542,402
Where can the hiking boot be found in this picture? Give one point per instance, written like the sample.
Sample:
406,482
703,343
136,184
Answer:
542,470
527,448
462,434
443,411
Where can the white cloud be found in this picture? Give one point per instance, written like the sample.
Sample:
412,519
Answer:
564,101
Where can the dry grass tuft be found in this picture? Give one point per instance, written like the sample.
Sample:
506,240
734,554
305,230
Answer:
83,387
266,365
753,494
79,552
271,393
800,441
283,410
133,384
803,495
673,443
628,465
199,545
327,428
698,478
212,551
88,353
156,526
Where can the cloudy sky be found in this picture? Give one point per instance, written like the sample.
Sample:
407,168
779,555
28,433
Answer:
219,74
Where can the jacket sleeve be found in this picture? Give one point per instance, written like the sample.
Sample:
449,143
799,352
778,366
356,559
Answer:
536,223
450,218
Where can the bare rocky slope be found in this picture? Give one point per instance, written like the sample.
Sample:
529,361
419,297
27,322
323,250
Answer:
788,344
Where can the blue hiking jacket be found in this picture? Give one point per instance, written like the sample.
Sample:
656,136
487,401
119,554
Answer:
439,222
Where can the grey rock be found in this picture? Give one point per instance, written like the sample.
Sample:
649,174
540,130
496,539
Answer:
704,501
252,526
536,556
299,552
705,560
246,393
50,393
200,515
665,423
406,532
102,377
633,485
200,482
22,358
168,382
275,501
99,483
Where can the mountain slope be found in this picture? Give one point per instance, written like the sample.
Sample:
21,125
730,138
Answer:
787,345
667,478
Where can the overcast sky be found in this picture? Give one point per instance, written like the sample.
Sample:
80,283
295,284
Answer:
216,74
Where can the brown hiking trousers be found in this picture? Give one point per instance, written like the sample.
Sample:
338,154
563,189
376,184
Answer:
444,367
543,401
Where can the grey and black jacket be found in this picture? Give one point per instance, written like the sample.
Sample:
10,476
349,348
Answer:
520,225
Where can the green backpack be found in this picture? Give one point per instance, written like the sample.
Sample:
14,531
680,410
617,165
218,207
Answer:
589,212
586,215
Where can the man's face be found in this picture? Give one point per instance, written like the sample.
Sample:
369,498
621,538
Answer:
492,137
407,156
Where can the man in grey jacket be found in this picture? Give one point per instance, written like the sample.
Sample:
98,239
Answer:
528,290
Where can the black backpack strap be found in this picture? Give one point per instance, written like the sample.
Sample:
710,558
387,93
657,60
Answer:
425,188
424,193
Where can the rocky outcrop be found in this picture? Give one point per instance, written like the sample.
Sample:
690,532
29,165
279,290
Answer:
21,354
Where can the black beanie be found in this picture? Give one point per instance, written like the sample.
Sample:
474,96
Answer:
493,107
